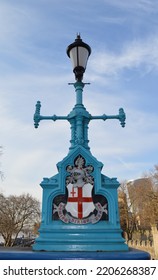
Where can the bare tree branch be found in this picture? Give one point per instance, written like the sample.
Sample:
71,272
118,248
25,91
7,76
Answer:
17,212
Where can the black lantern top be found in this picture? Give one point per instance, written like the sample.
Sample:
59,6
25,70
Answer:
79,53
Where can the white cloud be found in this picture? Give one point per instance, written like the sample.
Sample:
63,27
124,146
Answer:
15,23
139,55
141,6
111,20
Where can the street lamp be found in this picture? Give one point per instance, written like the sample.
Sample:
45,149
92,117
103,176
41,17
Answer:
75,193
79,53
79,118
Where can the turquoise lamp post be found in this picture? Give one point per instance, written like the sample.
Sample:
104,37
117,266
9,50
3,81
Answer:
80,205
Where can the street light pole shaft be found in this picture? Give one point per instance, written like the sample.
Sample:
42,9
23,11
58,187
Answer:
79,90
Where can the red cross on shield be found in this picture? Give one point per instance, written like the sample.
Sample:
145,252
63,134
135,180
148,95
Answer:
80,203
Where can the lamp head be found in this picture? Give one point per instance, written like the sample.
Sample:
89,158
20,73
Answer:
79,53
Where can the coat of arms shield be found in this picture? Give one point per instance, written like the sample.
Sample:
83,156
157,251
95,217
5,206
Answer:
80,203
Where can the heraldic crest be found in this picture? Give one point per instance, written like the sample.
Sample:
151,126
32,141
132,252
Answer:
79,207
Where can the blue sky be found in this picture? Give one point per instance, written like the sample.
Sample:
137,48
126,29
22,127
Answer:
122,70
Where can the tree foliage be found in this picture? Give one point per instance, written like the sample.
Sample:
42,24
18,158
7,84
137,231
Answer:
16,214
138,203
154,177
128,218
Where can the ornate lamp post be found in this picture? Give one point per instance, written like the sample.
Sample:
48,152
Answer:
80,204
80,215
79,118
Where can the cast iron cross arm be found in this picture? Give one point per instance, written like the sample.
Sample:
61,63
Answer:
38,117
121,117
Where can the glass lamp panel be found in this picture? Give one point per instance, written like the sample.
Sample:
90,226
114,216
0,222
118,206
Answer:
79,56
73,56
83,56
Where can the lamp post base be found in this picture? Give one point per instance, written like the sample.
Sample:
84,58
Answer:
23,254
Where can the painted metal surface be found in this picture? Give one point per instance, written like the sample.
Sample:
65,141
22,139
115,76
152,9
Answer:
80,204
132,254
78,118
